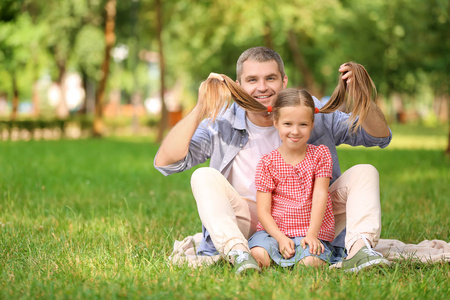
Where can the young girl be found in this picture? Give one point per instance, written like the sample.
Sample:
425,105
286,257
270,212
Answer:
294,206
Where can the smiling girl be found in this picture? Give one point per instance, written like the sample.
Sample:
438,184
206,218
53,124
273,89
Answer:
294,206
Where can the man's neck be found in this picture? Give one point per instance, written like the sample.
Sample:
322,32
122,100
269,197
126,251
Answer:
260,119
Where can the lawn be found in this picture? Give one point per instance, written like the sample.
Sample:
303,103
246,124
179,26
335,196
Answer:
93,219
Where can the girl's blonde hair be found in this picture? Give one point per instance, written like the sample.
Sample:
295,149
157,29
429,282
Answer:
354,98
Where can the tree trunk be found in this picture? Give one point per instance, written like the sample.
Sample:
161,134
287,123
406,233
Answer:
447,151
35,99
15,99
84,79
267,33
163,123
98,126
299,61
62,112
35,93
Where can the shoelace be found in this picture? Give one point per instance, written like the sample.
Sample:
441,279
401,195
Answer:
369,250
240,256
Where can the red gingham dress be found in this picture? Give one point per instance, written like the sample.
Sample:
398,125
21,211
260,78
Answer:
292,189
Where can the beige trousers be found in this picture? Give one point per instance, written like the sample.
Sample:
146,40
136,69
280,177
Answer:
231,219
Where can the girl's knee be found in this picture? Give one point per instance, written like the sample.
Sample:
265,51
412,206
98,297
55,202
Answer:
312,261
261,256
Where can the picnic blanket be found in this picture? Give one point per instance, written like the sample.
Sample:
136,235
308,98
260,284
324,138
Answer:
427,251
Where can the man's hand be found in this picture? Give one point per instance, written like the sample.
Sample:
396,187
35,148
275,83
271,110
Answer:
287,247
347,73
203,107
315,246
217,76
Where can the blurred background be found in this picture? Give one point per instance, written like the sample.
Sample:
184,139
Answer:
76,68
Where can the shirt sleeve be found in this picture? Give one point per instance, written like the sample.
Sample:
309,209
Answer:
325,162
337,125
343,133
200,148
263,178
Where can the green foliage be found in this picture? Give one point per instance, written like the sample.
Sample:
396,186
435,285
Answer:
19,51
89,50
403,44
94,219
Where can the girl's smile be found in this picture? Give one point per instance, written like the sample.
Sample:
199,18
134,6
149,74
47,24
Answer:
294,125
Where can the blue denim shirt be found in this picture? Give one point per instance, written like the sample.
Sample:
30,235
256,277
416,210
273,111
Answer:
221,141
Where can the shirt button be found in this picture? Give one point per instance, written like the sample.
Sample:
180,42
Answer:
240,145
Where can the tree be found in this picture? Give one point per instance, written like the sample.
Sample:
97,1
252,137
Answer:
19,41
110,8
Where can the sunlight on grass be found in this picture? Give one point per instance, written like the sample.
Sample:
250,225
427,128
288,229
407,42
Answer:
422,142
416,137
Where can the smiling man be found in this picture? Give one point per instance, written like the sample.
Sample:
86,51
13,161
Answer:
225,192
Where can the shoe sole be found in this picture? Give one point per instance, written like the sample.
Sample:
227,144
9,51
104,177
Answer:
368,264
248,267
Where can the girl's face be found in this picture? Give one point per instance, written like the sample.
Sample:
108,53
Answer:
294,125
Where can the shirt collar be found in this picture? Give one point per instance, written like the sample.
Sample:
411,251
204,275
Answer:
239,115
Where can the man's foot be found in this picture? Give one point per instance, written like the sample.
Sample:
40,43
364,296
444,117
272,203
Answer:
366,257
243,261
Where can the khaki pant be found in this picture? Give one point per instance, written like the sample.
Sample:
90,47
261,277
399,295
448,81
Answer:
231,219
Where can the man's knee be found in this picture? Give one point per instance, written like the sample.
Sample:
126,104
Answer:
202,175
363,170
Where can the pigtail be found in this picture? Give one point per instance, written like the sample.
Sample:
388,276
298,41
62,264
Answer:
354,98
218,95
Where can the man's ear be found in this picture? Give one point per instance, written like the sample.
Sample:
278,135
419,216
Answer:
285,81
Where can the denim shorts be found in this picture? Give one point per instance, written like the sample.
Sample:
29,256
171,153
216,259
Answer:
262,239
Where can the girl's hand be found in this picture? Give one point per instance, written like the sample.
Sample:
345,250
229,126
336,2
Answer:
315,245
287,247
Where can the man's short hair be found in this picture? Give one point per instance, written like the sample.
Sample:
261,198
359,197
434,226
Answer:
259,54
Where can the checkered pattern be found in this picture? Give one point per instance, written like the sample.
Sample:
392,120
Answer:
292,189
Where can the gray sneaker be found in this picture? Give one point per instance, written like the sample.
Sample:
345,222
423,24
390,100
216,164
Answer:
243,261
366,257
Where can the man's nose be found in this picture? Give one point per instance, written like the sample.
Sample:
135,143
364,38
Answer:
262,86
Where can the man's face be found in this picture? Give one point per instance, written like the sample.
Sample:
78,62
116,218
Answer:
262,80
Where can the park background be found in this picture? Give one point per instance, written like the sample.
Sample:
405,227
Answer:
88,88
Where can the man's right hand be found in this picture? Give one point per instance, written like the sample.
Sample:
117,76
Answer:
200,100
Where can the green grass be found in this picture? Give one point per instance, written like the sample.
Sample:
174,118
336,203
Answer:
93,219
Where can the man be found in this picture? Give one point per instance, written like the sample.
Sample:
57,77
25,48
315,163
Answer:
225,193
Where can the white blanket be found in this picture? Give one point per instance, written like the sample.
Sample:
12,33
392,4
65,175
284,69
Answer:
426,252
